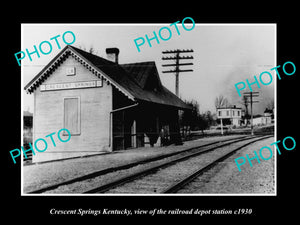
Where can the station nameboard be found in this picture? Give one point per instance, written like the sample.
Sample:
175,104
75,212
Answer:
72,85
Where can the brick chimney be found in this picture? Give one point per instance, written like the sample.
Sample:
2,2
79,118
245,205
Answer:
112,54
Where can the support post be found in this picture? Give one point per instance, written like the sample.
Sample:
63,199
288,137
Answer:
177,75
251,102
222,126
177,65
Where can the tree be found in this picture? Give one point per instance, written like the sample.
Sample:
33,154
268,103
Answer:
202,122
190,117
221,101
91,49
194,120
270,104
245,103
209,118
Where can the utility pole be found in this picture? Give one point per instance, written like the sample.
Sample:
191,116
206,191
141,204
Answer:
177,70
251,95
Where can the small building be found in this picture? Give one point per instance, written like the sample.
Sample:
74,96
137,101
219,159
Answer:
269,116
258,120
105,105
265,119
231,115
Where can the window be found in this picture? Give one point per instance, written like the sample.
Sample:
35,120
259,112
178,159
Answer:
70,71
72,115
220,112
233,113
239,113
227,112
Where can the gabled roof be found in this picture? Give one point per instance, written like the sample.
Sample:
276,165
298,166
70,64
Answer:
268,110
27,113
142,72
131,79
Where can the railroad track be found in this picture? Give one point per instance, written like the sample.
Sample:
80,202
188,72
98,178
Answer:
143,182
157,163
175,187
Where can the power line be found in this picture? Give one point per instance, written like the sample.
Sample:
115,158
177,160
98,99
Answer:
180,64
178,51
183,57
177,58
251,95
172,71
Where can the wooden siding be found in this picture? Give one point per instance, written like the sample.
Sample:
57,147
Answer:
95,106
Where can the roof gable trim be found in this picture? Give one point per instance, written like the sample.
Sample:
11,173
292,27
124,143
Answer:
49,69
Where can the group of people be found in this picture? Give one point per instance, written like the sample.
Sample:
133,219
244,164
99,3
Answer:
164,137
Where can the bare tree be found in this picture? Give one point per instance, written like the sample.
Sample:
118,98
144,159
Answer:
91,49
270,104
221,101
82,47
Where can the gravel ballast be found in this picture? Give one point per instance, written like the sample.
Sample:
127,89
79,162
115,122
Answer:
42,175
225,178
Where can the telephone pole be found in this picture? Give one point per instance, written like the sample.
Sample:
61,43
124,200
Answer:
251,95
177,64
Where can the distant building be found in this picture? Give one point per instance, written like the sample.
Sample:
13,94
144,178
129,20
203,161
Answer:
258,120
231,115
265,119
268,112
269,115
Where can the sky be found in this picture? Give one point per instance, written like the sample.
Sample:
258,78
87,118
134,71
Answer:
224,54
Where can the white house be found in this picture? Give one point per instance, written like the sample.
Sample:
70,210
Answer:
231,113
265,119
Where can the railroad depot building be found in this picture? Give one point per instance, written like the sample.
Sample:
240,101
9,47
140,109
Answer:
105,105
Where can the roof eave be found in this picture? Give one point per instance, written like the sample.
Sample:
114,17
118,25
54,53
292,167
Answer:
55,62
